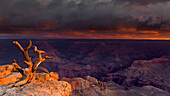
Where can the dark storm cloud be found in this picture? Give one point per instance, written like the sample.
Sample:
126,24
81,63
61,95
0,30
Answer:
144,2
84,14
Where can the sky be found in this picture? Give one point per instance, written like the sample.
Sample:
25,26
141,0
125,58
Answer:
85,19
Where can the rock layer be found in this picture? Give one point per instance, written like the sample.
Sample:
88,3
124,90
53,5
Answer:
153,72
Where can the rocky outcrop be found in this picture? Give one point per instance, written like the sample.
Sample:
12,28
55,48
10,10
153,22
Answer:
43,85
88,87
6,70
92,80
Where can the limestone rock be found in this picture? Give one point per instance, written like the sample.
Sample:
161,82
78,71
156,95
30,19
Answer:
92,79
43,85
5,70
43,88
89,87
54,75
10,79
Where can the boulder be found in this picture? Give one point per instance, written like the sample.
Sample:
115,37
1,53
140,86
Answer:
88,87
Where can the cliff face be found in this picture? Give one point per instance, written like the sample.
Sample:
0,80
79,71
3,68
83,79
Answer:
153,72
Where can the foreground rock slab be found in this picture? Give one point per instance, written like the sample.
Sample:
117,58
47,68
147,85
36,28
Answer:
43,85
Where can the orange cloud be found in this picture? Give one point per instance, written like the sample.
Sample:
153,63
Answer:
123,33
127,29
150,32
48,26
92,30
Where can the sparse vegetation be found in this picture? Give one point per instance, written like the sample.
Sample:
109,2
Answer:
28,74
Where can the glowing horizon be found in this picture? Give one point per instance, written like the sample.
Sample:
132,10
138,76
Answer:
123,33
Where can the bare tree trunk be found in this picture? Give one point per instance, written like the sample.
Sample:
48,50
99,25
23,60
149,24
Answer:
31,70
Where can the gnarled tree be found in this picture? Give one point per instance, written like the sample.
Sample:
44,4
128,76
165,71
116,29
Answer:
29,73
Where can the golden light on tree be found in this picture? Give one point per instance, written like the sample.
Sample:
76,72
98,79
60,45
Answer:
29,73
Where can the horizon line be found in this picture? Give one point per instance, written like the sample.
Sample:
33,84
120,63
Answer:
156,39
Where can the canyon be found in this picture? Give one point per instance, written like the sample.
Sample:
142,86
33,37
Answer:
128,67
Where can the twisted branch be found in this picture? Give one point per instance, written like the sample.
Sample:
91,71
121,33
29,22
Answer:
31,70
43,69
18,68
40,59
24,51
